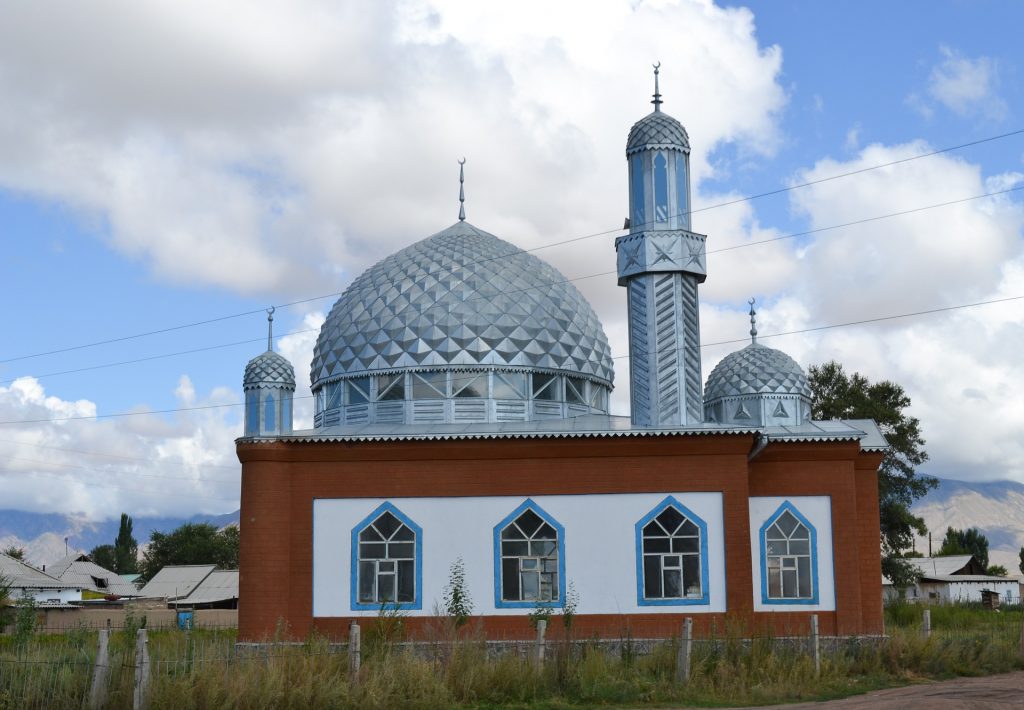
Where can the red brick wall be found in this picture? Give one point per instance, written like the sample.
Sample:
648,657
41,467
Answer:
281,480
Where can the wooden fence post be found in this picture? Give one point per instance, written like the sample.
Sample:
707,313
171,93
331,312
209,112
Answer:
355,654
926,623
816,645
685,649
141,671
100,673
542,627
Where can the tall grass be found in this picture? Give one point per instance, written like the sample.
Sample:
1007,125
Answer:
456,668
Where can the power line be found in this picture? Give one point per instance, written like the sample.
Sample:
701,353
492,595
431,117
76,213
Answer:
139,475
831,326
547,284
538,248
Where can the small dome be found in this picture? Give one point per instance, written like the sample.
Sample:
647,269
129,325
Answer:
461,298
269,370
756,369
657,130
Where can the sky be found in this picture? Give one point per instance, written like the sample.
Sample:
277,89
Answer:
164,164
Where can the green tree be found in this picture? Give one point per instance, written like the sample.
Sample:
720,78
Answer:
965,542
16,552
997,571
126,548
458,604
104,556
191,544
838,395
1021,565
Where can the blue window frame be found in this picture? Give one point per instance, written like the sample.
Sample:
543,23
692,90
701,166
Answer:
387,561
789,558
671,556
529,559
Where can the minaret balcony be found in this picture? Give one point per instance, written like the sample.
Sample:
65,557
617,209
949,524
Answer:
659,251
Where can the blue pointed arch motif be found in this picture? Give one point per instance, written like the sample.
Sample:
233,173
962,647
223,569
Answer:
704,598
763,544
500,603
417,603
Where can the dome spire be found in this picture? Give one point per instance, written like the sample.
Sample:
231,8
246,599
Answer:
462,192
270,329
657,93
753,323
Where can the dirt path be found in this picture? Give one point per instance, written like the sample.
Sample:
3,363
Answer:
995,691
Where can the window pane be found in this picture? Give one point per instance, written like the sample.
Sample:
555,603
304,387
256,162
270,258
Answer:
512,532
269,413
670,519
672,582
789,583
252,413
528,564
473,385
656,544
528,522
370,534
803,569
385,587
367,572
372,550
546,532
542,549
404,533
511,385
575,390
660,188
357,390
775,547
429,385
407,581
787,523
550,564
774,583
390,387
637,182
689,528
686,544
800,547
385,566
530,582
510,579
652,576
334,395
800,533
544,387
387,524
681,206
515,548
691,575
402,550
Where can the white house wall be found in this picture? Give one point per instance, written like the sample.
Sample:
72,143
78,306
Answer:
600,548
818,511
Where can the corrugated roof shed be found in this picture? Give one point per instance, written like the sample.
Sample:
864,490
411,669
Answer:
176,581
219,586
89,575
23,576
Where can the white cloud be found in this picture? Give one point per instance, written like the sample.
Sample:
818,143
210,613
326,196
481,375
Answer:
965,86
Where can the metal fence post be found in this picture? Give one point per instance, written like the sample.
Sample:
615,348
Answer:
926,623
816,645
141,670
355,655
542,627
685,649
100,673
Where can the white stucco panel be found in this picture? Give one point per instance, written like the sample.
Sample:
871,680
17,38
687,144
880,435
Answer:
818,511
600,548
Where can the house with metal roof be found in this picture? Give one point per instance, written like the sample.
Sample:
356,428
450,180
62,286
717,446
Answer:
462,418
175,582
95,581
954,579
219,590
45,589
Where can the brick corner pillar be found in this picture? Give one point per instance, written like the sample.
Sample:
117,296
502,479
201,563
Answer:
264,565
868,542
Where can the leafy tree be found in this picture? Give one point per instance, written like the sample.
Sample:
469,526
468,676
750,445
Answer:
997,571
458,603
16,552
965,542
105,556
126,548
191,544
1021,565
838,395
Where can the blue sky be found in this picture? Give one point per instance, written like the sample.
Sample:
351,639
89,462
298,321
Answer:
166,165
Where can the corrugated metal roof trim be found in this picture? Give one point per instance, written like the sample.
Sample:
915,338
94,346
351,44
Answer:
504,435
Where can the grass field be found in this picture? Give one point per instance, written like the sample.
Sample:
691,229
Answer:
207,670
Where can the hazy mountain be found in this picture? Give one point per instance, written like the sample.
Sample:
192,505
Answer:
42,534
994,507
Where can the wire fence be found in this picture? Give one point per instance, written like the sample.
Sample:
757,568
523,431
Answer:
136,668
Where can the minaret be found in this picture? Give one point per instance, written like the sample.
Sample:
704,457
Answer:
269,385
661,262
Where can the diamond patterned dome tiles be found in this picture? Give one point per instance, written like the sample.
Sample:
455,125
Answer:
461,297
756,369
657,130
269,370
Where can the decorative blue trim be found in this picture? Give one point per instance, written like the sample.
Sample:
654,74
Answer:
499,603
705,597
356,605
806,601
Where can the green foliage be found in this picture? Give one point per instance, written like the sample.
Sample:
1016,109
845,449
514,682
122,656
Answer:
572,603
540,613
965,542
458,604
16,552
997,571
126,548
104,556
901,573
25,619
1021,565
5,601
191,544
837,395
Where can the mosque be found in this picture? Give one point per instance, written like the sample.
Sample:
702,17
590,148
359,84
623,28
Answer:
461,393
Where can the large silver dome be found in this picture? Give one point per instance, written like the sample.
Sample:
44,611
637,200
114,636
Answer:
657,130
460,300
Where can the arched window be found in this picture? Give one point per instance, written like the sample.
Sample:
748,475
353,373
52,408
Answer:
637,180
387,561
269,413
529,559
682,194
660,188
789,558
252,413
671,556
